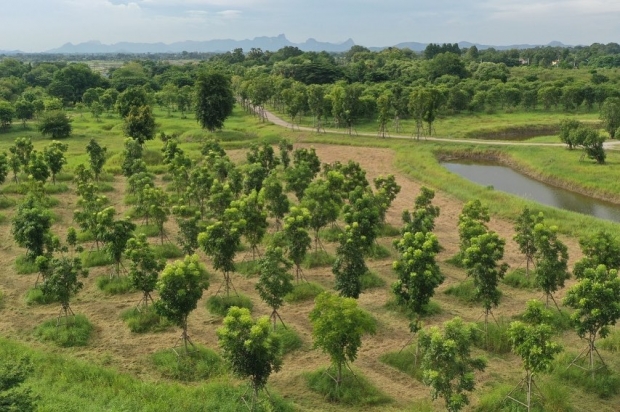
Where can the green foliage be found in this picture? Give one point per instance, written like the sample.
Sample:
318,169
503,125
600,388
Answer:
532,343
251,349
370,280
405,361
75,332
303,291
25,266
35,296
364,211
424,214
610,115
496,338
322,200
31,225
198,365
349,266
95,258
61,278
54,155
14,395
605,383
214,100
447,364
140,124
144,320
472,223
56,124
318,259
337,329
117,285
96,157
168,251
295,236
464,291
524,236
519,280
276,201
144,267
601,248
290,340
219,305
275,281
252,210
612,341
115,238
355,390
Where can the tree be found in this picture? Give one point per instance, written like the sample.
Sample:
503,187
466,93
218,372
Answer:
276,201
424,214
251,209
24,111
4,167
524,235
250,347
55,124
601,248
610,115
387,190
180,287
349,266
323,201
132,97
7,112
385,111
115,240
62,279
593,144
189,228
96,157
144,267
21,150
447,365
55,157
418,273
532,343
274,281
472,223
132,158
596,300
14,396
31,226
481,263
551,259
214,100
96,109
37,167
298,178
337,329
140,124
363,210
296,236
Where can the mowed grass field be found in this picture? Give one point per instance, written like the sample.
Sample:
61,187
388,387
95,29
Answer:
116,370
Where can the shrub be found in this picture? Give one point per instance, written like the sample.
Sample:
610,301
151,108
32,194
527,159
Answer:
611,342
35,296
289,339
331,234
114,285
199,364
464,291
219,305
496,340
72,331
318,259
24,266
146,320
168,251
354,389
386,230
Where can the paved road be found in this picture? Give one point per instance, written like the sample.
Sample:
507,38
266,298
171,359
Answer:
610,145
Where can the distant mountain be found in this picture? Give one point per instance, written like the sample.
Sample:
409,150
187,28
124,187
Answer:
209,46
9,52
419,47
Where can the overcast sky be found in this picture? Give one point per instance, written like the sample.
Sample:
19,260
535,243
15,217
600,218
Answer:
39,25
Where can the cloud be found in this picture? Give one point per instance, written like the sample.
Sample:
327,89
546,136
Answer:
229,14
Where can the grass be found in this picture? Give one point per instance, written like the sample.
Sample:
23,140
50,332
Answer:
370,280
353,390
611,342
318,259
379,252
605,383
331,234
116,285
144,320
464,291
7,202
304,291
95,258
25,266
248,268
219,305
555,398
85,236
496,339
72,331
559,321
289,338
198,363
1,299
430,309
147,230
405,361
56,188
168,251
387,230
518,280
35,296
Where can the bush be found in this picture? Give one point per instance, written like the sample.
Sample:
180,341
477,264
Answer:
303,291
405,361
371,280
116,285
85,236
168,251
198,364
318,259
35,296
605,383
289,339
72,331
95,258
219,305
24,266
518,280
559,321
145,320
354,390
248,268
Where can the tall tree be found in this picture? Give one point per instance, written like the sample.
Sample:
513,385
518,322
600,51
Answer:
610,115
140,124
296,237
349,266
214,100
96,157
551,259
524,235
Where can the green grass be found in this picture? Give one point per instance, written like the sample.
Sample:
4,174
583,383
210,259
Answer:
198,363
611,342
7,202
144,320
464,291
35,296
148,230
51,188
370,280
386,230
72,331
496,339
289,338
248,268
95,258
605,384
354,390
85,236
430,309
219,305
168,251
405,361
559,321
518,280
318,259
331,234
116,285
304,291
64,383
556,397
379,252
24,266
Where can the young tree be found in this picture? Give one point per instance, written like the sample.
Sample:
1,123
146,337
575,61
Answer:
481,262
251,209
599,249
54,155
274,198
132,158
7,113
190,226
251,348
472,223
31,226
298,178
4,167
610,115
180,287
24,111
55,124
274,281
418,273
214,100
144,267
337,329
96,109
551,259
296,237
221,240
96,157
349,265
115,241
596,300
524,235
424,214
130,98
363,210
37,167
387,190
62,279
21,150
140,124
323,201
447,363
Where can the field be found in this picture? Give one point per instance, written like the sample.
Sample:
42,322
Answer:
115,370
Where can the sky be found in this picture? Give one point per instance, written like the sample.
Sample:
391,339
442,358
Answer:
40,25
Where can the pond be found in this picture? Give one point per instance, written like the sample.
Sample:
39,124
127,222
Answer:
507,180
